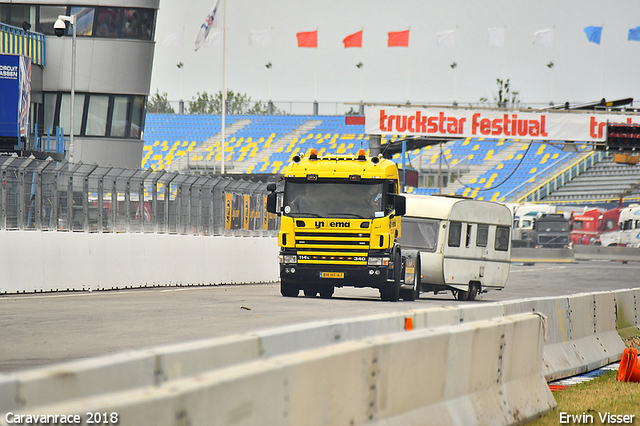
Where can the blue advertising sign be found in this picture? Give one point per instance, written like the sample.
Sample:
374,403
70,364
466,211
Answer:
15,95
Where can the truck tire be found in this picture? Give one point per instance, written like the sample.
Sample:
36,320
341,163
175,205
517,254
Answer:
412,294
288,289
391,293
326,291
474,289
310,291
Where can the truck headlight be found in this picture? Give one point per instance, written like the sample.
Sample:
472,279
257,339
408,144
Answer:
288,258
378,261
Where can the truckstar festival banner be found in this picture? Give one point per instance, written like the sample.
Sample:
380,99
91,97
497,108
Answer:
475,123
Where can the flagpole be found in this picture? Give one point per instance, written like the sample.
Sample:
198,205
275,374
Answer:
224,80
408,73
271,67
315,79
601,68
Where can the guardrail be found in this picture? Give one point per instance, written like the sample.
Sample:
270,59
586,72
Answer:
477,361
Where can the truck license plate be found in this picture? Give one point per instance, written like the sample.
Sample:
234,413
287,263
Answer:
331,274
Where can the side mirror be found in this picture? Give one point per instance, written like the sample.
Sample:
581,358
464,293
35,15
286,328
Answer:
272,199
400,204
271,187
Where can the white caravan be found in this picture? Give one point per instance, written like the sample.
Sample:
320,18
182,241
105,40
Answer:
456,244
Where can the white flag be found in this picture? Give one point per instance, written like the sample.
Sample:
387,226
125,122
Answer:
446,38
172,39
260,38
496,37
543,38
206,26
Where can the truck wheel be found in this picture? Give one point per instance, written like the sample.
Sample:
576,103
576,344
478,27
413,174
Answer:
461,295
413,293
288,289
474,288
391,293
310,291
326,291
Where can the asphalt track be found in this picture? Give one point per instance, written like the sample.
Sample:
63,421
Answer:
41,329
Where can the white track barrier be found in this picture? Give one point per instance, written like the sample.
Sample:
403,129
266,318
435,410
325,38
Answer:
485,372
61,261
580,335
628,312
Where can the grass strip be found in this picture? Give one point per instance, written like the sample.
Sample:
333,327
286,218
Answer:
601,401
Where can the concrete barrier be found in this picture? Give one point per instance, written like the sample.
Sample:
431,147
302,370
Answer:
61,261
606,253
390,379
628,312
580,333
540,255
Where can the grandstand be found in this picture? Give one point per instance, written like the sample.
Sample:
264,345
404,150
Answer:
489,169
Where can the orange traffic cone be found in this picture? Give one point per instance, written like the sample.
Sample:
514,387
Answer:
633,372
624,365
629,370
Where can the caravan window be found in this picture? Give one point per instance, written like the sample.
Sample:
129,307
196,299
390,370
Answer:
483,235
420,234
468,240
455,231
502,238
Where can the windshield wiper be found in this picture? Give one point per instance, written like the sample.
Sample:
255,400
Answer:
348,214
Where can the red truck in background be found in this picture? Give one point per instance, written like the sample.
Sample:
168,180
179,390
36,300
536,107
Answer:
587,227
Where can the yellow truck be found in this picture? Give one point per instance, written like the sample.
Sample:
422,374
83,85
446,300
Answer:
339,225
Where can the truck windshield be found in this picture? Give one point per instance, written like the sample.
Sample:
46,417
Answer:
552,226
347,200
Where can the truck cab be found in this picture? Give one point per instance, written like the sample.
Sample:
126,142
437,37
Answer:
339,225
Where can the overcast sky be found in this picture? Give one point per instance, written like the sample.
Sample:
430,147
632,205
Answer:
422,72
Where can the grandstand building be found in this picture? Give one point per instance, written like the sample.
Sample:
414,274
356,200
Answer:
114,51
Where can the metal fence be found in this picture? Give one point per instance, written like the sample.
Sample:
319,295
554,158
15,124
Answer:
61,196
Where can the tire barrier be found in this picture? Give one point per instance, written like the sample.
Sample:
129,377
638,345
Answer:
391,379
580,335
62,261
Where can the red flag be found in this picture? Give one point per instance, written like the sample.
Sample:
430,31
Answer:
399,38
308,39
353,40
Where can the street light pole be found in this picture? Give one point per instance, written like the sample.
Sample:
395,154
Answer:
72,21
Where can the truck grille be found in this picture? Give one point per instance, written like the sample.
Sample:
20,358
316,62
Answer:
331,247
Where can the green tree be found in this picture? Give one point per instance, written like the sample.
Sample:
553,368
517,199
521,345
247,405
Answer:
237,104
506,98
158,103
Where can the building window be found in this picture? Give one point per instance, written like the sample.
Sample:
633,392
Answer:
109,22
84,21
120,113
137,24
97,115
49,15
64,114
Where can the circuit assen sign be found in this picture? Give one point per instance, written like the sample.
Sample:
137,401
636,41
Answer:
446,122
